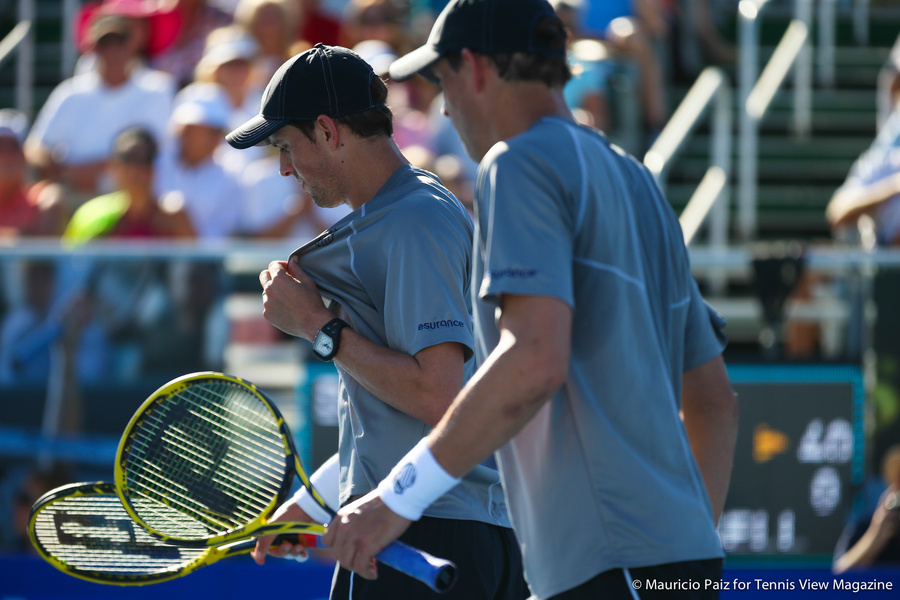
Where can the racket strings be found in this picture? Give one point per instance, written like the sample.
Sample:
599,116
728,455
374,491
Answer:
193,455
210,450
94,534
223,469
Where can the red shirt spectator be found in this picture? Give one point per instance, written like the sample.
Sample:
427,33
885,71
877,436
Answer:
318,26
22,211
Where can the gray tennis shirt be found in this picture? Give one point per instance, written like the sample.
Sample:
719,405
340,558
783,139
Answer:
603,476
399,269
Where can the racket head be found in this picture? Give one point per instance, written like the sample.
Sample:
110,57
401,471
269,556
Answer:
205,460
83,530
208,457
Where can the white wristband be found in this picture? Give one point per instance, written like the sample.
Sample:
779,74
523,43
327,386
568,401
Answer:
327,481
415,483
309,505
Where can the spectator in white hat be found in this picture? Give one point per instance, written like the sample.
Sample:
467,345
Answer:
228,63
190,168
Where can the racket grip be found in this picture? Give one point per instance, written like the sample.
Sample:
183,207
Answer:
437,573
307,539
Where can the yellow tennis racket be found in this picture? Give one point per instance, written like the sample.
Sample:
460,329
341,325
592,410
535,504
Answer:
208,458
83,530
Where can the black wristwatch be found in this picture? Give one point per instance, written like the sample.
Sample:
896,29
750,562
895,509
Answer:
328,339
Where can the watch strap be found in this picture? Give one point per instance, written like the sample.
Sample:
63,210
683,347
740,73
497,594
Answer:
333,330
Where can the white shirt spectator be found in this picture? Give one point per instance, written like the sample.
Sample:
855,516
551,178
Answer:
82,116
211,194
237,160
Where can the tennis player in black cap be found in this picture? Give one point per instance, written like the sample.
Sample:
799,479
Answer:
398,328
591,335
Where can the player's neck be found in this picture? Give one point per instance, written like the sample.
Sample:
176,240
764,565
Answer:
526,103
371,164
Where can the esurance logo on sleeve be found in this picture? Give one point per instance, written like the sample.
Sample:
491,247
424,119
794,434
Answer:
512,273
442,324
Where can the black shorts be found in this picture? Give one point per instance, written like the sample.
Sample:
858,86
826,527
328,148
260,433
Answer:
487,557
689,580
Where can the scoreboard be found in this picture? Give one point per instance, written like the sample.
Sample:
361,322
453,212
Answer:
799,460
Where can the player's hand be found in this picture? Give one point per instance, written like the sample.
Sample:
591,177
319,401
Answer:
289,511
360,531
291,300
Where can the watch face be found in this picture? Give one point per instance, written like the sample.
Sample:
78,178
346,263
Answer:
323,344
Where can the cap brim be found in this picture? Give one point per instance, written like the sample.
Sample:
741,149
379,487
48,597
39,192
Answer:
413,63
253,132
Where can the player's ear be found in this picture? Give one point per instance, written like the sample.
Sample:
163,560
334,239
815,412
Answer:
327,130
477,66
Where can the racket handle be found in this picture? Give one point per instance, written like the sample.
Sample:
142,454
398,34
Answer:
307,539
437,573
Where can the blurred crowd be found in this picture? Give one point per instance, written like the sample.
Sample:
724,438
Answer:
131,147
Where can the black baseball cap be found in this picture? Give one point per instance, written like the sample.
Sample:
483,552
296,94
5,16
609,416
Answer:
324,80
484,26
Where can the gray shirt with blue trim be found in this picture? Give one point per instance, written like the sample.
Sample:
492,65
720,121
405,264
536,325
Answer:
398,270
603,477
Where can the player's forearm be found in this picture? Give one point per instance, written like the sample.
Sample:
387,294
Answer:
510,388
529,364
422,386
514,384
714,455
710,413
